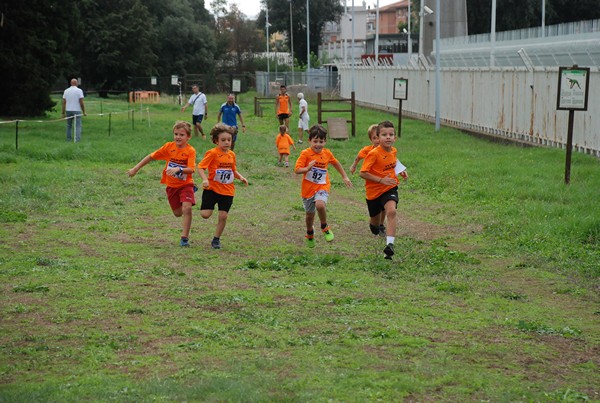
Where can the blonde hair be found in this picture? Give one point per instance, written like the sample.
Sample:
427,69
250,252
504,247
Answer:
372,131
180,124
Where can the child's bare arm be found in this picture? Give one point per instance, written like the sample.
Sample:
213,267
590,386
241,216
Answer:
306,168
340,169
239,176
202,174
139,165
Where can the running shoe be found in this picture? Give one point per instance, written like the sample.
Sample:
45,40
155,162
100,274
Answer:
388,251
184,242
310,241
216,243
328,234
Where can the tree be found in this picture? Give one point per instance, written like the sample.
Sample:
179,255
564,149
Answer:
241,36
117,43
34,52
517,14
320,11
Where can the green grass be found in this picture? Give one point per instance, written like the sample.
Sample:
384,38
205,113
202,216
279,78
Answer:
493,294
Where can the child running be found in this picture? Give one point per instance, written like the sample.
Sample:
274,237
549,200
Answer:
219,188
312,163
177,175
381,183
283,141
378,228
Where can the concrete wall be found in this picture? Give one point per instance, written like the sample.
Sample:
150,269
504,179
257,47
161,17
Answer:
512,103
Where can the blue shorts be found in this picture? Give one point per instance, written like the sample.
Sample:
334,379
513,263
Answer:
197,119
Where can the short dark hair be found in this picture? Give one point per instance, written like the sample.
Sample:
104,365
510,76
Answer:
218,129
317,132
384,124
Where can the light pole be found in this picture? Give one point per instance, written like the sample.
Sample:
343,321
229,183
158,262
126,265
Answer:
292,39
268,54
409,34
353,63
437,65
377,34
307,38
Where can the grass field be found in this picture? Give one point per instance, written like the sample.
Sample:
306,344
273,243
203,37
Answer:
492,296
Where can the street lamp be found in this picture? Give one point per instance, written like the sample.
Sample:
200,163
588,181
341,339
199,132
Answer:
292,39
267,25
307,37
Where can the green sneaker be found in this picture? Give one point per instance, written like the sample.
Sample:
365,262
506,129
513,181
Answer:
310,241
328,234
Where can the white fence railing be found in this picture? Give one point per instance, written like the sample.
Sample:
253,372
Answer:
514,103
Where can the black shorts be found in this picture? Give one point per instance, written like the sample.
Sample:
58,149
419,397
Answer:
376,206
210,198
283,116
197,119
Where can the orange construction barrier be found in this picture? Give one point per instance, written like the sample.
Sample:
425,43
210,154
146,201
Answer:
145,97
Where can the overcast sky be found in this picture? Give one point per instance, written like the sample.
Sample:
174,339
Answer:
252,7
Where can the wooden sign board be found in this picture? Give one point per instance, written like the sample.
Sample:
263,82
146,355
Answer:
337,128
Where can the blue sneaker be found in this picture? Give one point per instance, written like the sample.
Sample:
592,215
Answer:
216,243
184,242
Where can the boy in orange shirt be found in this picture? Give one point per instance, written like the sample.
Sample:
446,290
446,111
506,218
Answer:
283,141
312,163
219,189
377,228
381,183
177,175
283,107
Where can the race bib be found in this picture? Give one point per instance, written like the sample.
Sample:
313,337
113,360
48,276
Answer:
224,176
180,176
317,176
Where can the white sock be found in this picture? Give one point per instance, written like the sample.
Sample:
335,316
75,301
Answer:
390,239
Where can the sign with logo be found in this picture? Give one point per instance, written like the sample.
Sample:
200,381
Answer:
401,88
573,84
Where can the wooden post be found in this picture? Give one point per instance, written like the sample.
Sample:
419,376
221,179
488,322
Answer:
569,148
353,103
319,108
132,119
399,118
17,135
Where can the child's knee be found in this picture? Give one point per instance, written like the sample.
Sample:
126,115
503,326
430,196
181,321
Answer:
205,213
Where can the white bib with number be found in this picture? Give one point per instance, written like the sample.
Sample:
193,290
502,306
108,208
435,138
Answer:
224,176
178,175
317,176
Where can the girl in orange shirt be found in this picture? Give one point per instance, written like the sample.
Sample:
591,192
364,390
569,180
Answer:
219,189
283,141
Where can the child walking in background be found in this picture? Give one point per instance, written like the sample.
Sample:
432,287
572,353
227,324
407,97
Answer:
177,175
312,163
219,189
303,117
380,170
377,228
283,141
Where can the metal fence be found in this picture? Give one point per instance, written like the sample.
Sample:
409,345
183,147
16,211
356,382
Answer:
512,103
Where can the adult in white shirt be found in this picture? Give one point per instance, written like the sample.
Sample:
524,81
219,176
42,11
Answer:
199,109
303,117
73,108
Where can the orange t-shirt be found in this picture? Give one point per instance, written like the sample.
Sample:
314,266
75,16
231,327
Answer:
284,104
176,157
380,163
283,143
221,168
317,178
364,151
